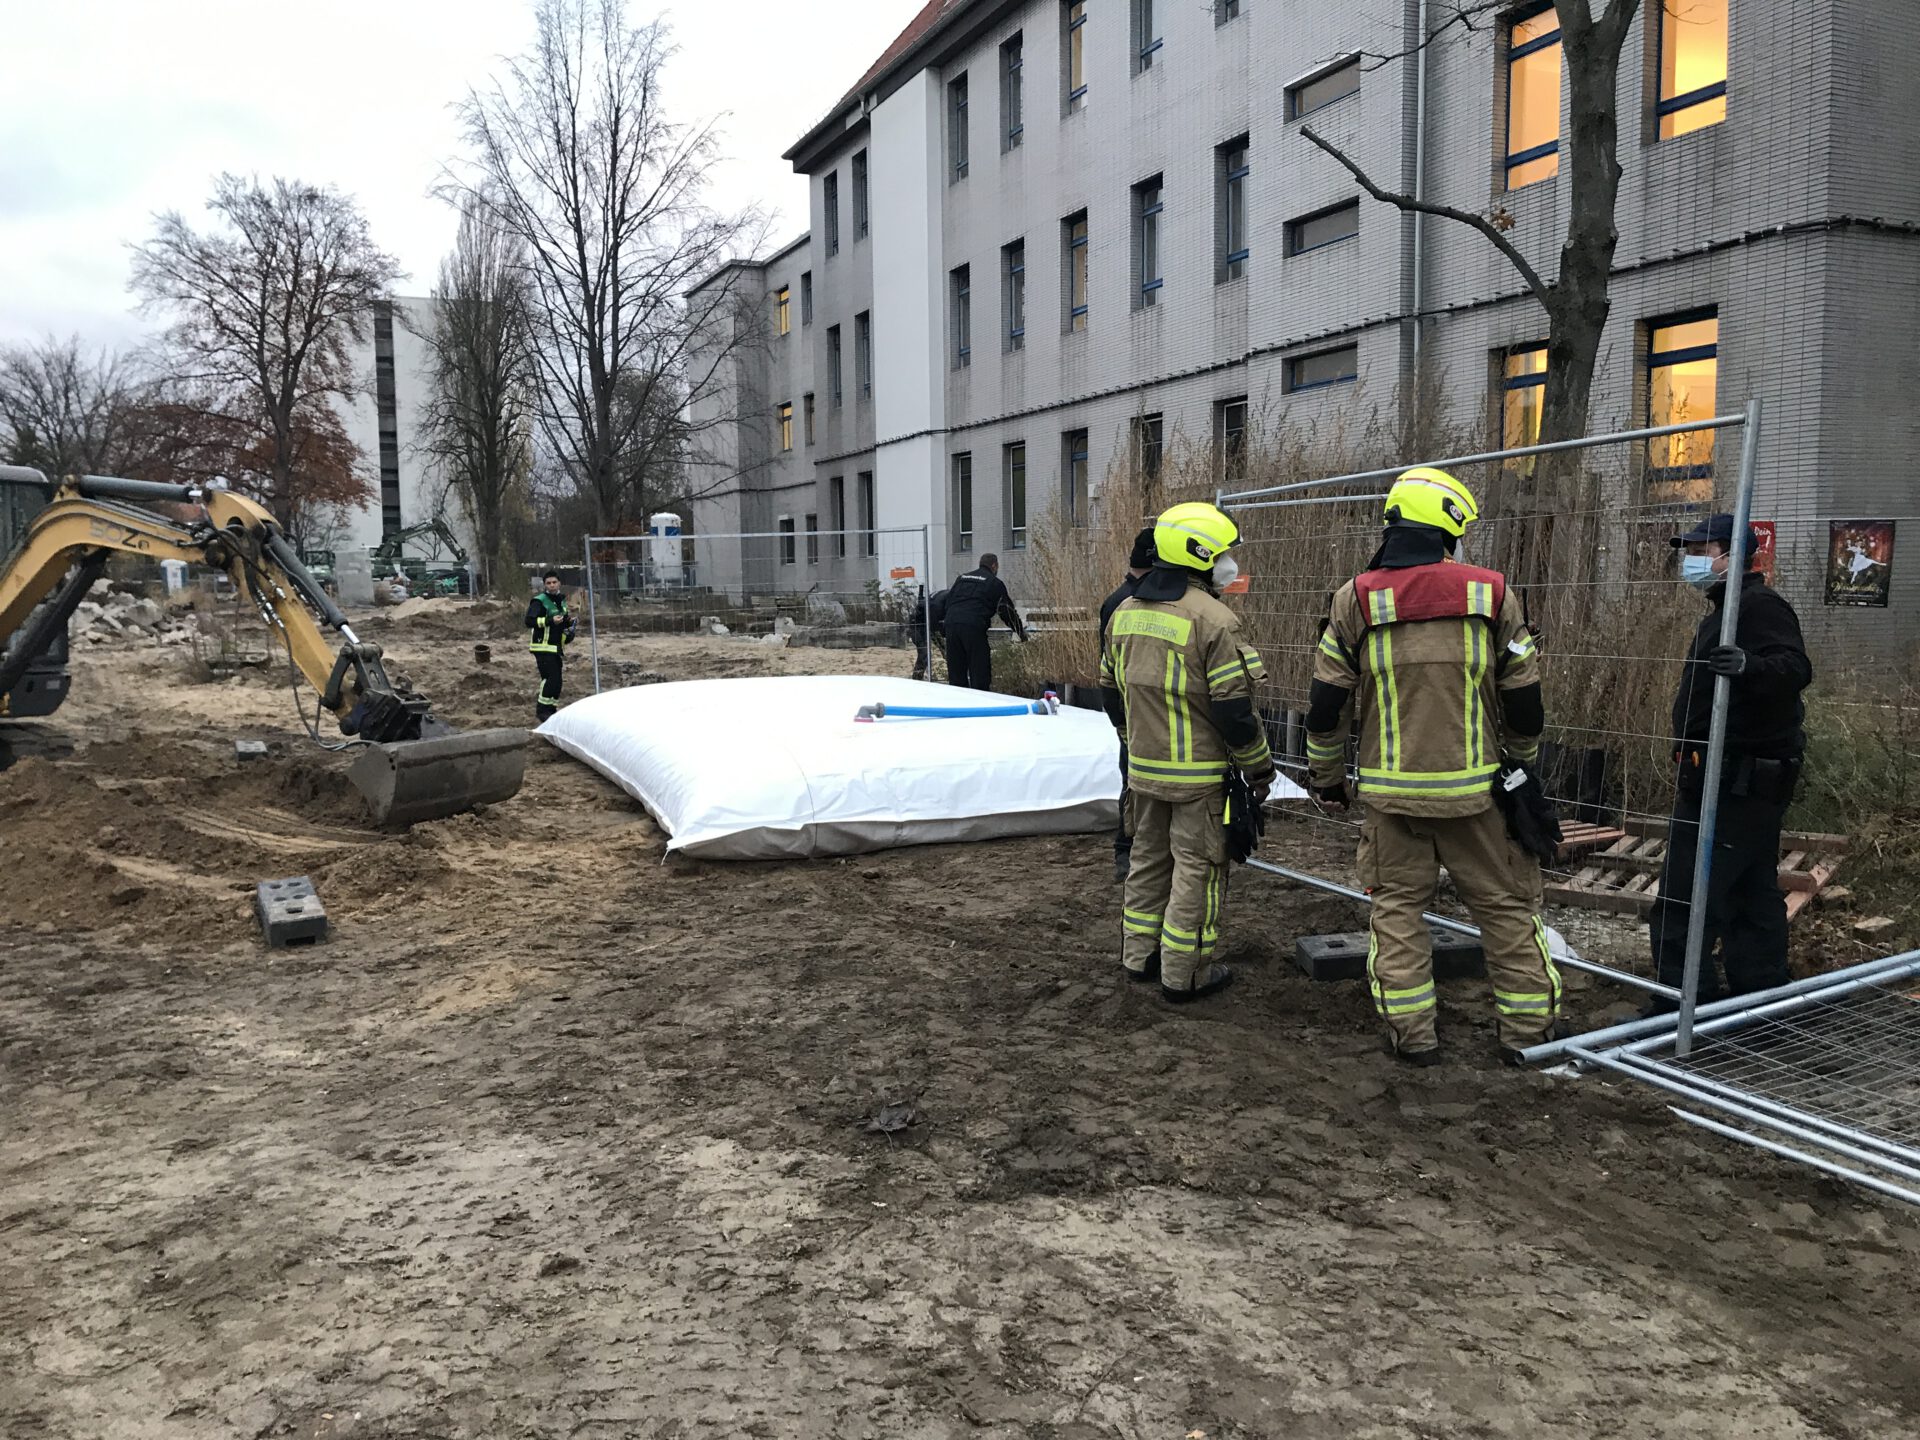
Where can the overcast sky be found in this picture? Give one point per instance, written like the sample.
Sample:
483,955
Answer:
116,109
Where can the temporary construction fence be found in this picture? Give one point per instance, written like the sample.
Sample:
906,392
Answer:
841,589
1581,529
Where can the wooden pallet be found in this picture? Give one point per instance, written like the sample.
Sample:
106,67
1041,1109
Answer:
1619,869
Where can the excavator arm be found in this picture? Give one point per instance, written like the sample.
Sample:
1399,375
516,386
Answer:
413,768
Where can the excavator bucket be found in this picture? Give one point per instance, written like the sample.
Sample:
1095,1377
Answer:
413,780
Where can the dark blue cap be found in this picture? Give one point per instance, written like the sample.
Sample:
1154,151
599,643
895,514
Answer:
1715,527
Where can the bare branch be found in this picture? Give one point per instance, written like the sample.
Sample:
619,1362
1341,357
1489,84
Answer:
1541,290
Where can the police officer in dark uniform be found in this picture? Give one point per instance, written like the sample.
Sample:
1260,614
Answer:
1139,562
1767,668
973,601
551,631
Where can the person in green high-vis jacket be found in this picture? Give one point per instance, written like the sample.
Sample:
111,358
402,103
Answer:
551,627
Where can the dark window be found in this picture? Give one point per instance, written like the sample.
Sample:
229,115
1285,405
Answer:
1147,207
1074,53
807,407
1074,497
1016,499
1533,96
1322,89
957,126
1149,437
1146,35
830,203
837,513
1075,257
1324,367
806,298
787,556
1230,435
1234,169
813,539
1226,10
834,395
960,283
866,511
1328,227
1012,101
962,502
863,350
1015,266
860,195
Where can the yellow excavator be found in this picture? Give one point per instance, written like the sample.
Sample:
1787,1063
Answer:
56,537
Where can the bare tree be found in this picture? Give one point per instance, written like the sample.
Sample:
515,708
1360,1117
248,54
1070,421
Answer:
575,156
1576,299
479,417
265,308
64,410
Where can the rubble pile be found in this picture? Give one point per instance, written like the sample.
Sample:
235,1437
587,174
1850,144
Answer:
106,616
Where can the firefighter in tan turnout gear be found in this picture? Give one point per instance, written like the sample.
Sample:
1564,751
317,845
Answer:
1179,682
1434,663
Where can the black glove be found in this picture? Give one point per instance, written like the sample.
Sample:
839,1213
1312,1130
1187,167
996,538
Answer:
1245,819
1337,796
1727,660
1531,818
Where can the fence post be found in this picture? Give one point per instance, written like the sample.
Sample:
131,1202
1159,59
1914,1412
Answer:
593,614
1717,737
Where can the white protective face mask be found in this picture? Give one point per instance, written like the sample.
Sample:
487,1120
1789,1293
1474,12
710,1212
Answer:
1226,570
1697,571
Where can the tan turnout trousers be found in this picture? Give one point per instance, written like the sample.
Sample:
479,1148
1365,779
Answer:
1400,860
1177,888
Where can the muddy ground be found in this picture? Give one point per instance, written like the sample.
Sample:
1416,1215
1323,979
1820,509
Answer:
559,1138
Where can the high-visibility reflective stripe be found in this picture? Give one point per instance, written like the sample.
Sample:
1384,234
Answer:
1475,638
1480,598
1184,751
1140,927
1546,958
1176,769
1380,607
1408,1002
1524,749
1522,645
1252,756
1334,650
1389,697
1173,629
1220,674
1178,947
1216,901
1427,780
537,648
1256,667
1325,749
1509,1003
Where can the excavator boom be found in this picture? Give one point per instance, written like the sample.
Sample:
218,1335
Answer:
413,767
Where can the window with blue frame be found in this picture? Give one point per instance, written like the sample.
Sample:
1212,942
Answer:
961,286
1147,39
1012,93
1693,65
1076,266
1073,52
1234,170
1147,207
1014,266
1323,228
1323,367
1322,88
1533,96
1683,372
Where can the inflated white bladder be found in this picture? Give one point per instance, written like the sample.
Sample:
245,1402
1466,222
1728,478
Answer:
779,766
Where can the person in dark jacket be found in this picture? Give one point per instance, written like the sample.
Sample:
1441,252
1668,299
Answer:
1767,668
1139,562
973,602
925,626
551,631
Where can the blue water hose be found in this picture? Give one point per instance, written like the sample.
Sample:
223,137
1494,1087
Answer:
951,712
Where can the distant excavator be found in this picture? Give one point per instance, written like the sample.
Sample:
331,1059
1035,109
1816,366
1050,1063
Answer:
56,537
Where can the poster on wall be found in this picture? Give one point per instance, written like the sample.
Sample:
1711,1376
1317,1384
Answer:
1859,562
1763,548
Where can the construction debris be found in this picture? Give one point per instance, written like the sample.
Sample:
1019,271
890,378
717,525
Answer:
1617,868
1872,929
114,615
290,912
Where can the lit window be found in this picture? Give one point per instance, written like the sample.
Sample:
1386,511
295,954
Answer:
813,539
1076,236
1230,427
962,502
1318,91
1012,98
1328,227
1233,209
1683,365
787,555
960,281
1149,435
1533,97
1146,35
957,126
834,395
782,311
860,207
837,514
1076,54
1146,238
1693,65
830,203
1326,367
1073,487
806,298
1016,279
786,425
807,411
1523,388
863,351
1016,469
